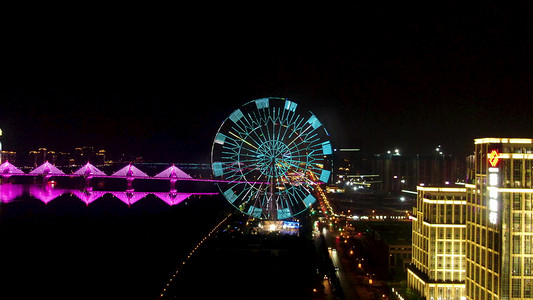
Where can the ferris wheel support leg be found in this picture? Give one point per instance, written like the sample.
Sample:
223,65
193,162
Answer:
272,209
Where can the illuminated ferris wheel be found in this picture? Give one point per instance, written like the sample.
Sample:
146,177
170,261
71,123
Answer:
270,153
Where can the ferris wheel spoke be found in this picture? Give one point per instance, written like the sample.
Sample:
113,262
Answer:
248,195
242,140
259,138
249,153
303,138
247,173
297,166
302,142
287,129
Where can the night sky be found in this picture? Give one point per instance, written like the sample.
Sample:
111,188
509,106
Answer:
159,81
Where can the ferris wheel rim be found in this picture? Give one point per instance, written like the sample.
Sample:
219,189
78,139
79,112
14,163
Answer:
279,182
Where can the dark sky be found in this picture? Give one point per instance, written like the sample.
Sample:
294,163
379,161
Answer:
159,81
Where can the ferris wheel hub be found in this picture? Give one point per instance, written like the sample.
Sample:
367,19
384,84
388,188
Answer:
273,158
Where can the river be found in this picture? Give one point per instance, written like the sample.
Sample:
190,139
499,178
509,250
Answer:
57,246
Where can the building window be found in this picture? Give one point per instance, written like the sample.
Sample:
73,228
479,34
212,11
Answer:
527,244
527,288
516,266
527,222
517,221
516,201
527,266
516,244
516,288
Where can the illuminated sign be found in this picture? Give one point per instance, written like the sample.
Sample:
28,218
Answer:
494,158
493,184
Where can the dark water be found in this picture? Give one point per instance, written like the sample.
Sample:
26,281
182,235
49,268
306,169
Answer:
66,249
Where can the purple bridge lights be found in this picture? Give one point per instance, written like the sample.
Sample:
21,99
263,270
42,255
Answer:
129,172
88,170
47,170
8,170
46,193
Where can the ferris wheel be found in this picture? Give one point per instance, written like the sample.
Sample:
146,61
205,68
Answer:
268,154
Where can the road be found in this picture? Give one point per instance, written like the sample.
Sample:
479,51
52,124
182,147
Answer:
353,280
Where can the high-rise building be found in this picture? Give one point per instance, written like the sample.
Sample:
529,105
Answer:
100,157
8,156
437,269
398,172
436,169
499,220
394,170
38,157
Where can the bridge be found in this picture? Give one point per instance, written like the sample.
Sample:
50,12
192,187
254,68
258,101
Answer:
47,193
88,171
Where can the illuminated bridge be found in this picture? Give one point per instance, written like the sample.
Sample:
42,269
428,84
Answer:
129,172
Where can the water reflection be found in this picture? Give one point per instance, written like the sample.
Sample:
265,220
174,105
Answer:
88,196
129,197
10,192
48,192
173,197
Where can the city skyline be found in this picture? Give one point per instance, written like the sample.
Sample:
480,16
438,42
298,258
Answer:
376,76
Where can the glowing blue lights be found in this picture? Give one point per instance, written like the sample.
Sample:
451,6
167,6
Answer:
220,138
230,195
236,116
261,103
326,148
270,154
217,169
255,212
314,122
284,213
309,200
324,176
289,105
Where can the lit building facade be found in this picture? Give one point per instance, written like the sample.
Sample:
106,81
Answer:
437,269
499,227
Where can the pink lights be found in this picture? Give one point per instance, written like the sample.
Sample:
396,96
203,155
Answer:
129,197
88,196
7,170
130,171
89,170
173,198
47,169
46,193
174,173
10,192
